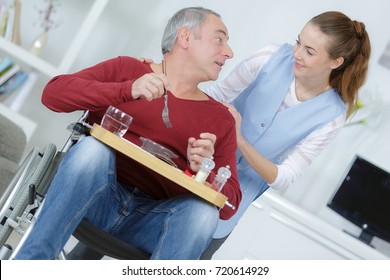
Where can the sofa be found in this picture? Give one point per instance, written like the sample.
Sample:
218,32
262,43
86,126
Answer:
12,144
15,133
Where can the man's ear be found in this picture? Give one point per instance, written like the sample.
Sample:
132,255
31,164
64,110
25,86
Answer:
183,37
336,63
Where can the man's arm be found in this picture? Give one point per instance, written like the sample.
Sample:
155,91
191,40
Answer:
111,82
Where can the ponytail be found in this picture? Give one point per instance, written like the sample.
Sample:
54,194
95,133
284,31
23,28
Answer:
349,40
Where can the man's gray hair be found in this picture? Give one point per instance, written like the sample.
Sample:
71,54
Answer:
191,18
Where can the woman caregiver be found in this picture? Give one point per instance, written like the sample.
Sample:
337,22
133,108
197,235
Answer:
289,103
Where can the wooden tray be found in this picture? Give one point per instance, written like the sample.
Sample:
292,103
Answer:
175,175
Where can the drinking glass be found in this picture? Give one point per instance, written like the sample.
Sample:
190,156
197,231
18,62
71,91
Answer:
116,121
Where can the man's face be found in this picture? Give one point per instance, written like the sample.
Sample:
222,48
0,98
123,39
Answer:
211,49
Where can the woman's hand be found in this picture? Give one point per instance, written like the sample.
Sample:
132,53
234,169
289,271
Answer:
147,60
237,117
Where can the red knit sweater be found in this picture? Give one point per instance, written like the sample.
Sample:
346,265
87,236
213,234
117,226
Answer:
110,83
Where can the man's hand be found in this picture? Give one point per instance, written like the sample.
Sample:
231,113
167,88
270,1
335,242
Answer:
198,149
150,86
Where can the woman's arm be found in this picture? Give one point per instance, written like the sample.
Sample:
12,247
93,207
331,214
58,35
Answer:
265,168
297,161
302,156
260,164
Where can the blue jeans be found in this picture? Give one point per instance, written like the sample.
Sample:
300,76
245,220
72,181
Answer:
85,187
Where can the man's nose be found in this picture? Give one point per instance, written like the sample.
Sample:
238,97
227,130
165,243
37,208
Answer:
229,52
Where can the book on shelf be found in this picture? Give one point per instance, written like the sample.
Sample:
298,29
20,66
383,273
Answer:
5,64
9,28
14,82
9,73
3,17
8,15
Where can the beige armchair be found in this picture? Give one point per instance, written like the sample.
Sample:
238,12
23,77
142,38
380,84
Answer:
15,131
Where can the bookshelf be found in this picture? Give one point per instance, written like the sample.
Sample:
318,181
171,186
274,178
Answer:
42,66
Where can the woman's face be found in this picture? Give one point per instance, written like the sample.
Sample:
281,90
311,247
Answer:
311,57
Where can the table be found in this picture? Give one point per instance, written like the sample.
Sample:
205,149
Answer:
143,157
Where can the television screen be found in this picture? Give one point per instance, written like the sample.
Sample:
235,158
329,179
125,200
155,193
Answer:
363,198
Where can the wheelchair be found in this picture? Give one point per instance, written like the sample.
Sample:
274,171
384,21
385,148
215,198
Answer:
21,202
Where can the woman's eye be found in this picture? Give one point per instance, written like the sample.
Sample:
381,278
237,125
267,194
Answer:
297,41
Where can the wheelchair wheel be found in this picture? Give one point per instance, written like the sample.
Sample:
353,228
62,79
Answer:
21,191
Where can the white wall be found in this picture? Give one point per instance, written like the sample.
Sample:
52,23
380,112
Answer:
134,28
